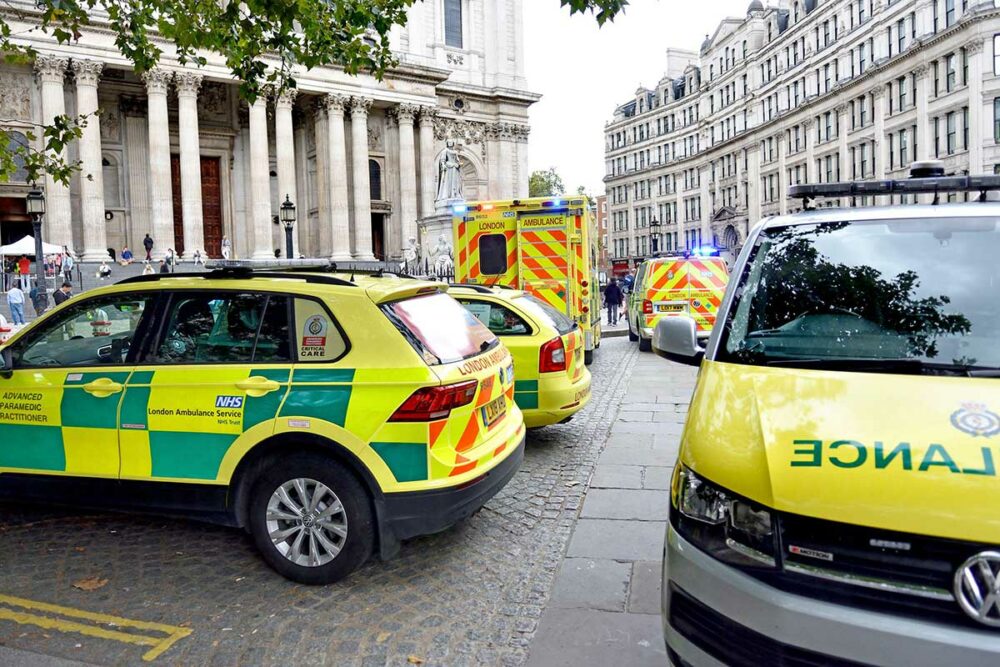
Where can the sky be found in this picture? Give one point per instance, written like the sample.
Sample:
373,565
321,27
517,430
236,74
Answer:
584,72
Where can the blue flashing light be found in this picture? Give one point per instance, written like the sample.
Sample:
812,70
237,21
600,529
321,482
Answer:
706,251
461,209
557,202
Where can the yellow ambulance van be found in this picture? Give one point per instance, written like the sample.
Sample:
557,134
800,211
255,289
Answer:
545,246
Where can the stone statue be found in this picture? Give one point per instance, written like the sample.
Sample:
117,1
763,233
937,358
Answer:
442,256
411,253
449,174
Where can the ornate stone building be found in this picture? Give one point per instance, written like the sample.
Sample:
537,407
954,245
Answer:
802,91
178,155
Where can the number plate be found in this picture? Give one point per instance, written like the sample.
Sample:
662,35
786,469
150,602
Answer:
494,410
669,307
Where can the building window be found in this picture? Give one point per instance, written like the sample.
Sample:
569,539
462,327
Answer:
937,136
949,12
965,128
453,23
375,179
952,73
996,54
951,133
996,120
903,155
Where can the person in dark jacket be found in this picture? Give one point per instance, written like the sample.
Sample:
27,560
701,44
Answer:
613,299
64,293
147,243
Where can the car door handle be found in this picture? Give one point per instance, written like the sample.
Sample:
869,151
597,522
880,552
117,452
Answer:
103,387
258,386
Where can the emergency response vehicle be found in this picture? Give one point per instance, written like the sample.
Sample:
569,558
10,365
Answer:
545,246
551,381
686,282
329,417
835,499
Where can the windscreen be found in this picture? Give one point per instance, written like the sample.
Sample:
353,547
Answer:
902,290
546,313
440,329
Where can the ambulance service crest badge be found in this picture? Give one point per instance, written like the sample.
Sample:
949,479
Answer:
976,420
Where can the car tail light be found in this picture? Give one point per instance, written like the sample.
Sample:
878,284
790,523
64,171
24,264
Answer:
552,356
647,307
431,403
584,283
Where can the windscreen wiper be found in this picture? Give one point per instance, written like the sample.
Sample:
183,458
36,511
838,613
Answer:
910,366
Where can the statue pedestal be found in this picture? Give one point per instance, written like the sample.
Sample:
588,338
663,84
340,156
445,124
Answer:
430,230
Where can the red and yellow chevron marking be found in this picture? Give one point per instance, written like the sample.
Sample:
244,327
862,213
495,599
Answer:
468,267
699,282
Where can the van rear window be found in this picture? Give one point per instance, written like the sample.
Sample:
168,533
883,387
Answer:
493,254
440,329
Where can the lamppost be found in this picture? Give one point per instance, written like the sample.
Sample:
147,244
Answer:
288,220
655,235
36,208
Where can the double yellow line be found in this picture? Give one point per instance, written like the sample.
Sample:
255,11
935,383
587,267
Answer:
159,637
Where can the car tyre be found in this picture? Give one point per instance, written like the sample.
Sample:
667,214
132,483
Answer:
631,336
645,344
311,519
588,357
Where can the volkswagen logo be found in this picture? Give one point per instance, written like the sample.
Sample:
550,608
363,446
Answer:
977,587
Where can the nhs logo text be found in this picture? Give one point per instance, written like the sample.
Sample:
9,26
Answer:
229,401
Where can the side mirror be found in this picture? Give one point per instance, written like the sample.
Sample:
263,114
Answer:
6,362
676,338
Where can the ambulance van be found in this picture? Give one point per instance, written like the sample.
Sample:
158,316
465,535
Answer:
835,501
545,246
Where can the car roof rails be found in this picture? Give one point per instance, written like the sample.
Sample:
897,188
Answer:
482,289
240,274
926,177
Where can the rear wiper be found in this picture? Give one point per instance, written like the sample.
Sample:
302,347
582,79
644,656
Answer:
911,366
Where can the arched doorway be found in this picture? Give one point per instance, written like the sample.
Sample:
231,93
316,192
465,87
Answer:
730,238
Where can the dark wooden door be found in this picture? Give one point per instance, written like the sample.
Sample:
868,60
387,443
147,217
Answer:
175,186
378,235
211,205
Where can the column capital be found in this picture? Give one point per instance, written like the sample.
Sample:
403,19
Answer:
920,71
285,99
157,80
360,106
404,113
51,68
841,108
88,72
335,102
877,92
187,83
428,114
808,123
974,47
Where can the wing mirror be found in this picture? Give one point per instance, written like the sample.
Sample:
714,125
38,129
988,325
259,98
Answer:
676,338
6,362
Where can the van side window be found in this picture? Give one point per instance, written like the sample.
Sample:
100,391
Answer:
498,319
493,254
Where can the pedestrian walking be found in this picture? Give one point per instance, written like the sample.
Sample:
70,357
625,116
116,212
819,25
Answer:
15,299
147,243
63,294
24,272
39,299
613,297
67,265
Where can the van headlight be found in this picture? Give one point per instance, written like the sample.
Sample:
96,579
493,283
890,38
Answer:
727,527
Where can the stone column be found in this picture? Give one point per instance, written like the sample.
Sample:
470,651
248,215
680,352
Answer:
923,144
95,240
428,174
705,194
137,154
808,126
362,186
260,182
974,50
404,115
51,72
845,172
324,240
782,174
505,135
187,84
754,214
880,154
521,182
284,146
161,199
340,203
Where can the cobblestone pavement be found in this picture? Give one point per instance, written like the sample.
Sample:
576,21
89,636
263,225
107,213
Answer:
471,595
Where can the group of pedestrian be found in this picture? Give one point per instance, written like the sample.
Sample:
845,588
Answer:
615,294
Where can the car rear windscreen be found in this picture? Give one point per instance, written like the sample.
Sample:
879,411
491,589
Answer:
440,329
546,313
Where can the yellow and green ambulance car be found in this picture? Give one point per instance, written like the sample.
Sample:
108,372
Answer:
836,494
330,418
551,381
545,246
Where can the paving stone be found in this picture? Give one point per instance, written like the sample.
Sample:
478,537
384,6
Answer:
628,428
656,477
620,540
644,588
617,477
576,637
639,455
592,584
640,505
635,416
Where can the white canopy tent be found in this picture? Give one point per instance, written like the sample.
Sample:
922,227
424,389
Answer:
26,246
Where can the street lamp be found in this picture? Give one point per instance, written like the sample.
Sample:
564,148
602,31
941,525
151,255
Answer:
36,209
288,220
655,235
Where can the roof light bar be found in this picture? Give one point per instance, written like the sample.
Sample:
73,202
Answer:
980,184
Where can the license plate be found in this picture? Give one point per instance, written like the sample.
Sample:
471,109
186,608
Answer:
669,307
494,410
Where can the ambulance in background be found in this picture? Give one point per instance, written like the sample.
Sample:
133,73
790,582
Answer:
546,246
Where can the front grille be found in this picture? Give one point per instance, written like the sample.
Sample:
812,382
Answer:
900,573
735,644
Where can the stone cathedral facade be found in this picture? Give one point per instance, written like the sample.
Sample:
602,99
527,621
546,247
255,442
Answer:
178,155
